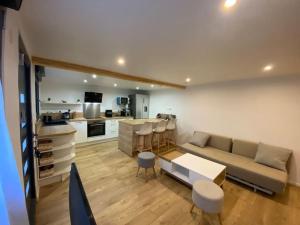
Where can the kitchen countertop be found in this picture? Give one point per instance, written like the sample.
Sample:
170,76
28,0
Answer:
139,121
58,130
103,118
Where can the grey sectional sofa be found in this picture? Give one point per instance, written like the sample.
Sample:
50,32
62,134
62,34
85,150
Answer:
238,156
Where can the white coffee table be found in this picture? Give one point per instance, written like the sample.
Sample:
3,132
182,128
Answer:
190,168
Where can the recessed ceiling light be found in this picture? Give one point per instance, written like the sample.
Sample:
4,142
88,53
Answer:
121,61
137,88
152,85
115,84
229,3
94,76
188,80
268,67
85,81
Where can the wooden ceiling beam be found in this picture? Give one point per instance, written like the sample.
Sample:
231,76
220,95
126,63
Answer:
101,72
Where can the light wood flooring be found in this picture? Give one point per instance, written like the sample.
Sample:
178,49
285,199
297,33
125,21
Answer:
118,197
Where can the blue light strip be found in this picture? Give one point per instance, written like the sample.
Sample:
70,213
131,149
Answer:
3,210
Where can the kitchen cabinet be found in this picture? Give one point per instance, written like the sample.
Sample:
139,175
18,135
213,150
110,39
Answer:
111,128
81,128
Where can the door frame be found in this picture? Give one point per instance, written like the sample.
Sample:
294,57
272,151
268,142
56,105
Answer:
29,133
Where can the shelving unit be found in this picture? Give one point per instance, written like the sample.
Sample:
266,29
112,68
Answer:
61,149
60,103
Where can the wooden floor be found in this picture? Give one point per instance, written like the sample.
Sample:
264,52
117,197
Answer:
118,197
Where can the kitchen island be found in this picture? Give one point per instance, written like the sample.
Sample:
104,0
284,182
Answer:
127,138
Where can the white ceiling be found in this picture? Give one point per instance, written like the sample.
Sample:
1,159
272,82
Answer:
170,40
55,75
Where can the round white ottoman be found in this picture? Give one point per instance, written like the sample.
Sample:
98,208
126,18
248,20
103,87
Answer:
146,160
208,196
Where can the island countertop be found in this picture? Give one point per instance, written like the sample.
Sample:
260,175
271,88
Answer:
139,121
127,137
58,130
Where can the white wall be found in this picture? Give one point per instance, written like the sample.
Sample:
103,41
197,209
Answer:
13,28
70,93
266,110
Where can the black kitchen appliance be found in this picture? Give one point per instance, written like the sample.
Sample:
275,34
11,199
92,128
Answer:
93,97
122,100
55,122
95,128
123,112
108,113
66,115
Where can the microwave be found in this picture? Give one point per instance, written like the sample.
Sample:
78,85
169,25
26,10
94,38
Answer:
122,100
93,97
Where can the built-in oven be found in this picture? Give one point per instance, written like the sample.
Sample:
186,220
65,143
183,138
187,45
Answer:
96,128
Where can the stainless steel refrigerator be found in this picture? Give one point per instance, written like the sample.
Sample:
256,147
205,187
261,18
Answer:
139,106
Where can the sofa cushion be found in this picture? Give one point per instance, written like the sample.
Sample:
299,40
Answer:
272,156
243,167
244,148
200,139
220,142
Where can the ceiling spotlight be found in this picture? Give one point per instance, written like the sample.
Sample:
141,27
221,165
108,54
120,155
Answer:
268,67
152,85
94,76
115,84
121,61
188,80
85,81
137,88
229,3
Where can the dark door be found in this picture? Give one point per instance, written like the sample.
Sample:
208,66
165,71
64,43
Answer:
26,135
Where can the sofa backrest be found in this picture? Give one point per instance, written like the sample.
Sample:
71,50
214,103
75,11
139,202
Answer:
244,148
220,142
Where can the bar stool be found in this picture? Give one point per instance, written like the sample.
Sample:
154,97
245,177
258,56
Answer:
159,134
171,132
141,138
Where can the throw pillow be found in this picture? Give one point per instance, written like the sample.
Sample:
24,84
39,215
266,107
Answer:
272,156
200,139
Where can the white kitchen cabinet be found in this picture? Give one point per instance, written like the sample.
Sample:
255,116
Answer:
111,128
114,128
81,134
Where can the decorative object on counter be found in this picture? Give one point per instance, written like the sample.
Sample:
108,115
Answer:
49,99
78,100
146,160
63,101
145,132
